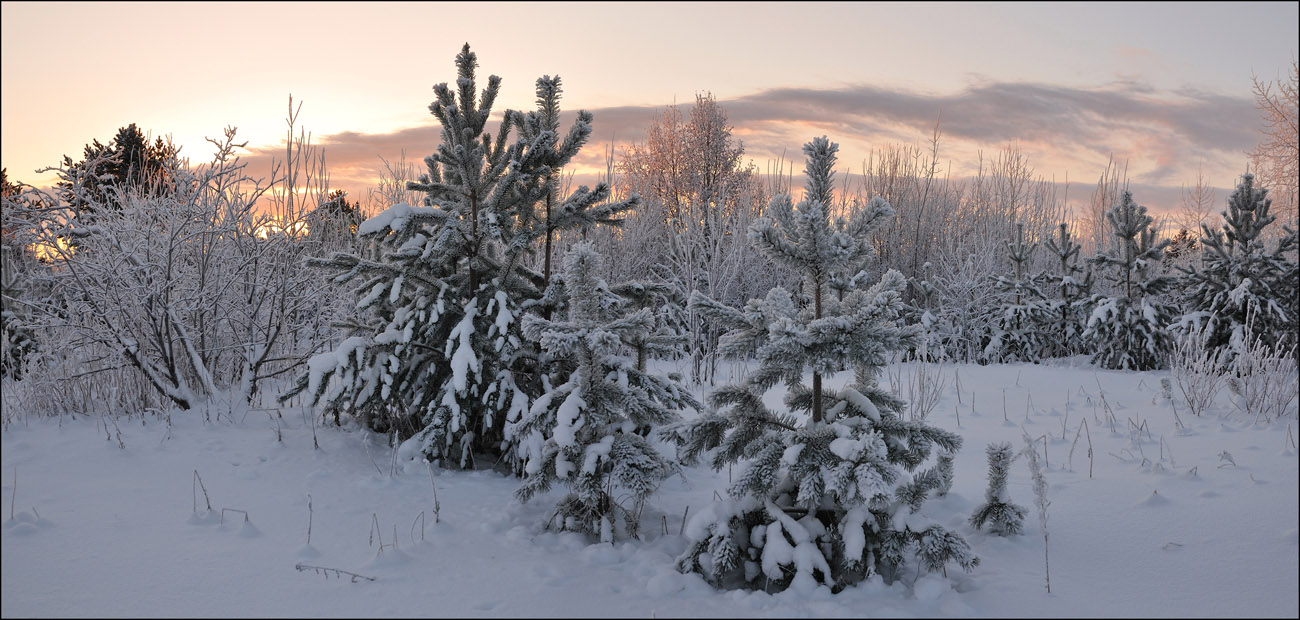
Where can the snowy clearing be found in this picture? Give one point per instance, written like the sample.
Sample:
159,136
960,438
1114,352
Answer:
1200,521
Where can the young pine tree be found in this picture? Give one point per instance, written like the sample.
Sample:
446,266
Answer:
441,357
1016,332
923,310
1128,330
1067,311
585,207
1239,276
829,486
663,301
1003,517
580,432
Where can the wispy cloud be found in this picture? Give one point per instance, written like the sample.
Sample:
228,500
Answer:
1163,134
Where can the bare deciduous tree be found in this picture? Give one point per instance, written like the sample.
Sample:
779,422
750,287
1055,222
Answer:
1276,160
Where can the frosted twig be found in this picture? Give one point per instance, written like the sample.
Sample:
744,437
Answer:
309,519
223,514
392,462
325,570
418,518
436,506
366,444
957,383
1040,501
194,494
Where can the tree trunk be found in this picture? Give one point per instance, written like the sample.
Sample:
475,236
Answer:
817,378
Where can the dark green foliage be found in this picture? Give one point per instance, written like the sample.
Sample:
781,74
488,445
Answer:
18,343
127,161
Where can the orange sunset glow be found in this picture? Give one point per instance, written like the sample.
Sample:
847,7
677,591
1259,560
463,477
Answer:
1071,85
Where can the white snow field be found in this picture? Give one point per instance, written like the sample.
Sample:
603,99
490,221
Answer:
1198,521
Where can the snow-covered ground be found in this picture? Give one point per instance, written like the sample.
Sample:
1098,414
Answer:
1172,522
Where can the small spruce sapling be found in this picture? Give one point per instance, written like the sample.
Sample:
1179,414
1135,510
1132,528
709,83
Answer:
580,432
1017,331
1128,330
831,487
1002,517
1068,309
1243,291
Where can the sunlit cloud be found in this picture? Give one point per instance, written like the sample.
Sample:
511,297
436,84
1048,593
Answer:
1163,135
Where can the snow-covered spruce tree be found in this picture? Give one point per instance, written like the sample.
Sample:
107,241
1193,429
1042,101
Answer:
580,432
1002,517
551,215
1238,274
440,358
1128,331
1015,333
830,489
1067,311
923,310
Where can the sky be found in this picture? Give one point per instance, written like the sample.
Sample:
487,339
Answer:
1165,87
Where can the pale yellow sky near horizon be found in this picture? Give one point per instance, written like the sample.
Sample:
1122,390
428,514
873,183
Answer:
1164,85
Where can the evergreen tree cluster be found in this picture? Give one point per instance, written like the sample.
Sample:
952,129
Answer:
441,357
1241,293
1129,329
129,160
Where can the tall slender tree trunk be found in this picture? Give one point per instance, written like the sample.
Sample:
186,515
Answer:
817,377
546,271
